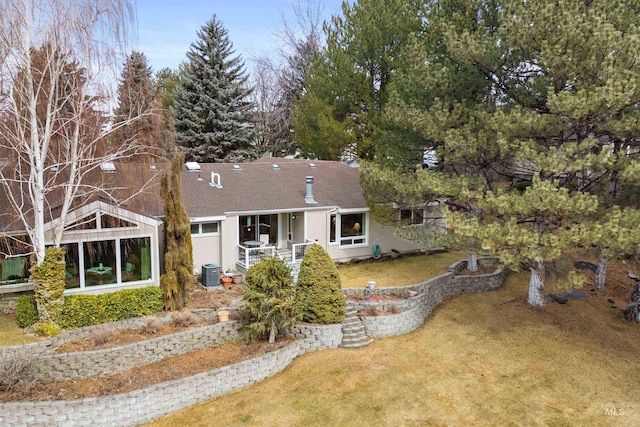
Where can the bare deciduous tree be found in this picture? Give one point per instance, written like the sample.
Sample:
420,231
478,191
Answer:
58,62
279,80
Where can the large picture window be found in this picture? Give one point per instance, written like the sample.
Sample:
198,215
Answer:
348,229
259,228
107,262
135,259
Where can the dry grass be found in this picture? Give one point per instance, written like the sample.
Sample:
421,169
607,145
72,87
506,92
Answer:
481,360
406,270
11,334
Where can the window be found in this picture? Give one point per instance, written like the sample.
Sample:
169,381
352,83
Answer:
107,262
15,261
412,216
332,228
348,229
204,228
108,221
135,261
262,228
99,262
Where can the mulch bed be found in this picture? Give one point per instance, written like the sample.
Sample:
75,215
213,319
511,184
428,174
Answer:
144,376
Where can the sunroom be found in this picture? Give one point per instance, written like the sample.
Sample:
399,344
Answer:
109,247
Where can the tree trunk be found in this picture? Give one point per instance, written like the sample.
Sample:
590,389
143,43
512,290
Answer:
632,312
601,273
536,285
272,333
472,261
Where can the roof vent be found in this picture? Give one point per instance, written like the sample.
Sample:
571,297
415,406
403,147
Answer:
236,168
153,168
312,165
199,178
215,180
308,198
107,167
275,167
193,166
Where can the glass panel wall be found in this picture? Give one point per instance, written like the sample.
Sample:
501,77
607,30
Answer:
135,259
268,227
72,266
99,262
14,261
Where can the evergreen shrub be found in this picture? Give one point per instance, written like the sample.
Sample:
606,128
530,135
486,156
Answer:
26,311
319,288
268,308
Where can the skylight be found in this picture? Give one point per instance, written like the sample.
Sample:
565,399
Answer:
107,167
193,166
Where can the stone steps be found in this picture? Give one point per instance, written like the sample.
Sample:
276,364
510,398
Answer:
354,333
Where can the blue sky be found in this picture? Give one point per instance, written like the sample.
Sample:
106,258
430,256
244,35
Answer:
166,28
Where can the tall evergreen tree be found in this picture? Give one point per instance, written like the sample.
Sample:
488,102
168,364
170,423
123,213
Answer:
178,257
213,116
555,101
136,94
341,112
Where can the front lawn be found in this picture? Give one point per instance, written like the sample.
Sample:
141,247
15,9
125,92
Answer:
482,360
406,270
11,334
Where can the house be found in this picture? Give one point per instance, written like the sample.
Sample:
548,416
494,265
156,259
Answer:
239,213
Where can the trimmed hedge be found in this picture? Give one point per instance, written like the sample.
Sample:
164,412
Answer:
89,310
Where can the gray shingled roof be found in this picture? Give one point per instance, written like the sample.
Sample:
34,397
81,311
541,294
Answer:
257,186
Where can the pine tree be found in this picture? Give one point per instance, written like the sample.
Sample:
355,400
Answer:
519,90
178,257
268,306
213,117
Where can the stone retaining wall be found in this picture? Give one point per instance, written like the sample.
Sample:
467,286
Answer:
44,347
427,296
140,406
130,409
110,361
431,294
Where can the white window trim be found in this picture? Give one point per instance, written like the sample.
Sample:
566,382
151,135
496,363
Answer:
201,234
339,238
119,283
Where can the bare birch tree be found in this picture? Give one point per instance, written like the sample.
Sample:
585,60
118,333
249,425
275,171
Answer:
58,63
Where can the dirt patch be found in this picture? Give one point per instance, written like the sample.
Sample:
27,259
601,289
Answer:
114,338
482,269
371,311
200,297
145,376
